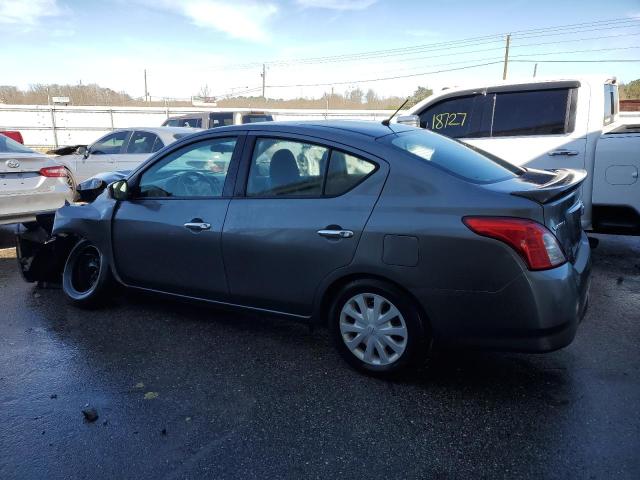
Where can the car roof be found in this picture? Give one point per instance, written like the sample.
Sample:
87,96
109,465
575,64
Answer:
333,128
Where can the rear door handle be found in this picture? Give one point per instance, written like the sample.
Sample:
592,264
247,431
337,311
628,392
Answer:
335,233
562,151
197,226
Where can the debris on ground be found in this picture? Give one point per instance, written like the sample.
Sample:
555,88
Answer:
139,385
53,396
150,395
620,280
163,432
90,414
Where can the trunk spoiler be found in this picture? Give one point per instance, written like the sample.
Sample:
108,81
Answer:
563,182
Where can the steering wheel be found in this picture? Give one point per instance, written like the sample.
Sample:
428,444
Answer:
197,184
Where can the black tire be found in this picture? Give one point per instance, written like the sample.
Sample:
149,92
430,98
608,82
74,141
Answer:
86,278
417,340
71,181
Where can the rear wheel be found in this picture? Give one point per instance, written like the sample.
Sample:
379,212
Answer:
378,328
86,279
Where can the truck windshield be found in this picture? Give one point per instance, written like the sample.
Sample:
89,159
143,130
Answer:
471,164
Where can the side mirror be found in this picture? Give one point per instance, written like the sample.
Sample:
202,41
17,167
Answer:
411,120
82,150
119,190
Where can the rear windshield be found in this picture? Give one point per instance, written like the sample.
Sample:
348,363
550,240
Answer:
473,165
8,145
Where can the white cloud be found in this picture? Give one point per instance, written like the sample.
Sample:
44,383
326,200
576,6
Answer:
27,12
245,20
337,4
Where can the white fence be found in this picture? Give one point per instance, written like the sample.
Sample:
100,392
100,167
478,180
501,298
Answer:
49,126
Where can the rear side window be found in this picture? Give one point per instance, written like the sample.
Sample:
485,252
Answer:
456,117
345,172
142,142
286,168
453,157
256,118
542,112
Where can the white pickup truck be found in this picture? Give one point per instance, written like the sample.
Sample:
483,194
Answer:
549,124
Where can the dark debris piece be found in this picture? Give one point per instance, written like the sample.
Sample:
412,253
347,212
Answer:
90,414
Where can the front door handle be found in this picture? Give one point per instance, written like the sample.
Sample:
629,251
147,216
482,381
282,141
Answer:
335,233
197,226
562,151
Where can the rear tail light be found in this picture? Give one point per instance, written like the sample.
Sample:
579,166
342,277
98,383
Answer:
53,172
537,246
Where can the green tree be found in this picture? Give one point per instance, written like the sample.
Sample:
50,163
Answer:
630,91
420,94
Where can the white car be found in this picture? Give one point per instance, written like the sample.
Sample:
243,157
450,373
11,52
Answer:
551,124
122,149
30,183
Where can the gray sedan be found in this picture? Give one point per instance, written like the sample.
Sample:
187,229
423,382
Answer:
395,237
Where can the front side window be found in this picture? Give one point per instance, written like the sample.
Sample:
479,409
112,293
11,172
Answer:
143,142
111,144
345,172
541,112
454,157
196,170
456,117
286,168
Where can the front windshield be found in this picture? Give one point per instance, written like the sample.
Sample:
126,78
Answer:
469,163
8,145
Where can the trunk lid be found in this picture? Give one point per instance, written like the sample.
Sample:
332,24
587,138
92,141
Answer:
558,193
21,162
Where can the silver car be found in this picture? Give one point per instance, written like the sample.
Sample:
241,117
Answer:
30,183
394,237
122,149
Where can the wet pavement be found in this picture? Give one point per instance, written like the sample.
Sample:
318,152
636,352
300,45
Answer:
184,391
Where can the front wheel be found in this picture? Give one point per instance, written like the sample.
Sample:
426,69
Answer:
377,328
86,279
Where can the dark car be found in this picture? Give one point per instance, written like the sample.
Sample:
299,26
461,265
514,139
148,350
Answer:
393,236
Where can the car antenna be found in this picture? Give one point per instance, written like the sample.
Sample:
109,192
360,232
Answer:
387,121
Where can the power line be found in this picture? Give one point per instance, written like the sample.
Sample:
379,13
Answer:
486,39
396,77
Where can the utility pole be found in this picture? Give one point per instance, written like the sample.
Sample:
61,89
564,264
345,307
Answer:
506,57
264,76
535,70
146,93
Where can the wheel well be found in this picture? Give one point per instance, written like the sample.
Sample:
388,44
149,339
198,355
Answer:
337,285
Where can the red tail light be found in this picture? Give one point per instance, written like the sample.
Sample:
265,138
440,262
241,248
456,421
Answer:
537,246
53,172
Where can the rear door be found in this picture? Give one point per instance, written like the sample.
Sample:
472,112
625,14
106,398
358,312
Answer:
101,155
167,237
300,209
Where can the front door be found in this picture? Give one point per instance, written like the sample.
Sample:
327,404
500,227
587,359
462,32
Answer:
167,237
300,216
101,156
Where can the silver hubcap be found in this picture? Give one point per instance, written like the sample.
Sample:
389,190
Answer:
373,329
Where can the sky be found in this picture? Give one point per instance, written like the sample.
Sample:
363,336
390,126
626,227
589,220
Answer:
186,45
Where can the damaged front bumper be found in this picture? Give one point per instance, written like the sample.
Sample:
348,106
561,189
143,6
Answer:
39,254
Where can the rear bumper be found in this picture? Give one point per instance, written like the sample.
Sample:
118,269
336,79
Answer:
536,312
24,206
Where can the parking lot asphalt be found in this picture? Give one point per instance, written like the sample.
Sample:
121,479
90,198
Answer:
187,391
